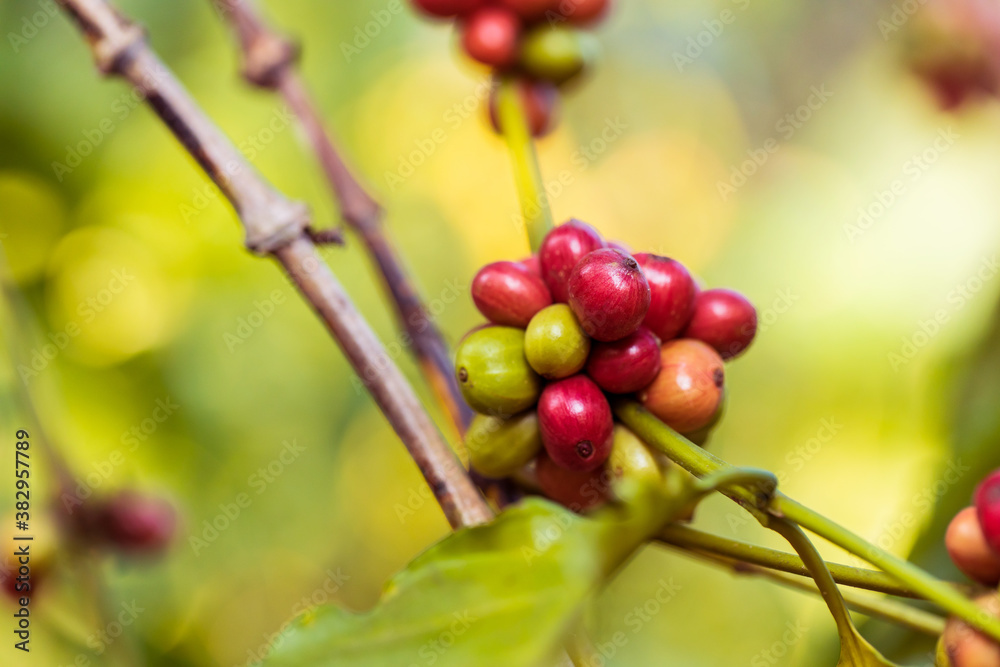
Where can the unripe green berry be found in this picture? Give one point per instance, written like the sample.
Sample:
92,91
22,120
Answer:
556,53
631,459
494,375
555,344
498,447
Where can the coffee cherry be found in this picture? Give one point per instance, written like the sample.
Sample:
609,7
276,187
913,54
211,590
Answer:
498,447
539,99
671,295
556,53
725,320
576,423
967,647
987,500
689,388
555,343
494,375
508,294
630,458
701,436
575,489
529,10
491,36
561,250
968,549
134,522
532,265
446,8
584,12
609,294
625,365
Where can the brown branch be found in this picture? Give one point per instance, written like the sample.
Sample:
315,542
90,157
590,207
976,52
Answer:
279,226
269,62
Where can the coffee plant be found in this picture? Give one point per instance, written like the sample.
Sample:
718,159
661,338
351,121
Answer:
585,401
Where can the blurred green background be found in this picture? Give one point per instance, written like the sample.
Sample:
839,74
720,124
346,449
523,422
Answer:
853,431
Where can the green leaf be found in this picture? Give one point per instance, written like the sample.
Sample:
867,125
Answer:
504,594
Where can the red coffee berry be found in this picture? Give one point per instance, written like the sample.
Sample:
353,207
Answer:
529,10
688,390
134,522
968,549
575,489
625,365
608,294
532,265
671,295
508,294
446,8
540,100
987,500
490,35
576,423
724,319
582,12
561,250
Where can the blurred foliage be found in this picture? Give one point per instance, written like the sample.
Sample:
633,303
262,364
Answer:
845,273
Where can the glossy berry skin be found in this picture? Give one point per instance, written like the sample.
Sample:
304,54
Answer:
447,8
561,250
625,365
631,459
499,447
672,294
555,344
688,390
540,100
576,423
555,53
724,319
965,646
609,294
532,265
134,522
493,374
529,10
491,35
508,294
987,501
968,549
575,489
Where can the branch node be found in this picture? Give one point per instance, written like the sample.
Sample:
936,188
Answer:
267,56
328,236
274,226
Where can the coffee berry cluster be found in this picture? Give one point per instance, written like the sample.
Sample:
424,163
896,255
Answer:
581,321
538,42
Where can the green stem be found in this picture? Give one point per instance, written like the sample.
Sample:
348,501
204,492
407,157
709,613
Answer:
885,608
527,174
688,538
700,463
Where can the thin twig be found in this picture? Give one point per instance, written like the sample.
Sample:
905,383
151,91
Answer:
269,62
277,226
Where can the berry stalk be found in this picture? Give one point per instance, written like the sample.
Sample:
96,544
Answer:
527,174
700,463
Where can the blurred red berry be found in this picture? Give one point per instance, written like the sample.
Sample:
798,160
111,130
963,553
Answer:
446,8
490,35
134,522
724,319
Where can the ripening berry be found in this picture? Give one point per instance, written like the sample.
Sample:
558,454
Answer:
575,489
968,549
493,374
561,250
609,294
499,447
556,53
626,365
987,499
540,101
724,319
671,295
967,647
688,390
491,35
576,423
508,294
